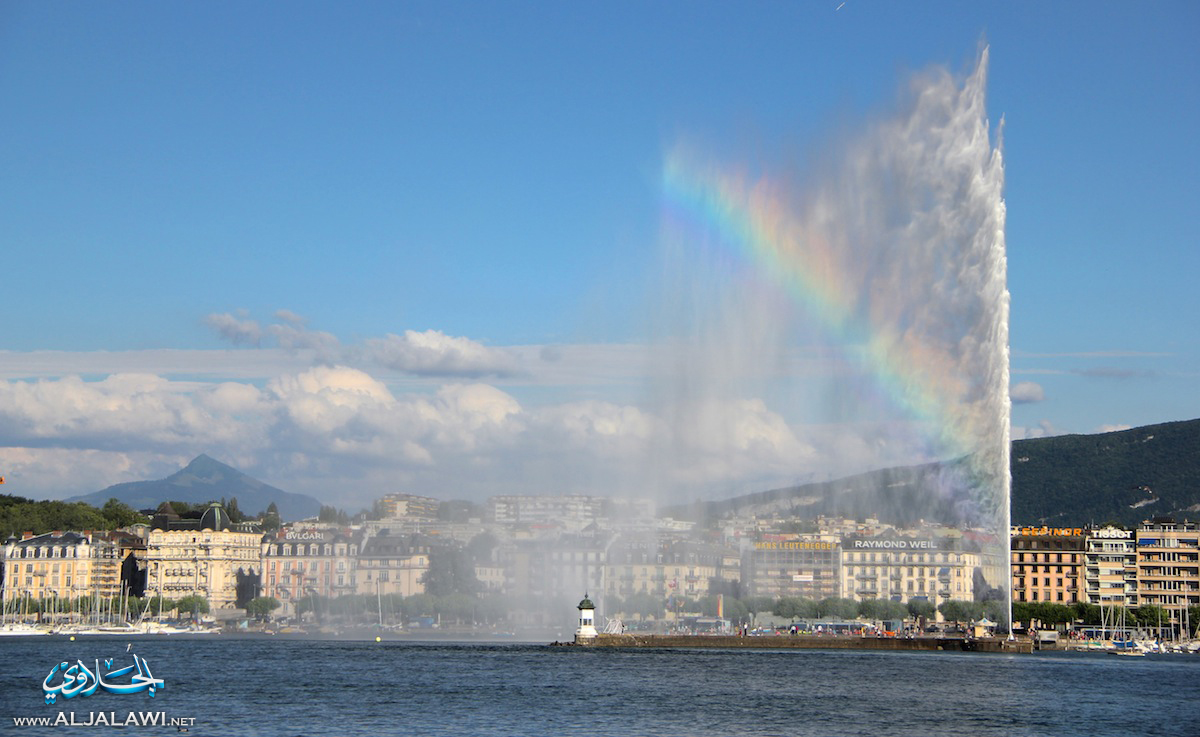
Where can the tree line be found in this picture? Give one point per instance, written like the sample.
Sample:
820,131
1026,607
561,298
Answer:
19,515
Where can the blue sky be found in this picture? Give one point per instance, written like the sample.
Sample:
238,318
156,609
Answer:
215,215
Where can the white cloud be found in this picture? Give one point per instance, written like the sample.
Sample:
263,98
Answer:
434,353
342,435
1044,429
1027,392
1112,428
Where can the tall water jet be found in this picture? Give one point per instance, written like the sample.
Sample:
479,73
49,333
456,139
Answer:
865,308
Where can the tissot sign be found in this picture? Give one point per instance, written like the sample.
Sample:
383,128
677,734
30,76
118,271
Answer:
1112,533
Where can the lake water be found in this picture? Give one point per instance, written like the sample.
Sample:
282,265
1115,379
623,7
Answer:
261,686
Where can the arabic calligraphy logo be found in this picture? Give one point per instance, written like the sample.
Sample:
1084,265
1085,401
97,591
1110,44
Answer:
79,680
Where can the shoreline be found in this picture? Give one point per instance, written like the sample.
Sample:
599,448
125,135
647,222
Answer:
806,642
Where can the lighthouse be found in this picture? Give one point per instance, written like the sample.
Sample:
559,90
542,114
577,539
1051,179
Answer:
587,622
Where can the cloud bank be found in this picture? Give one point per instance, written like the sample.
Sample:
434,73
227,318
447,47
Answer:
345,436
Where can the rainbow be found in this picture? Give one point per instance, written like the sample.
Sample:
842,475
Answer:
755,221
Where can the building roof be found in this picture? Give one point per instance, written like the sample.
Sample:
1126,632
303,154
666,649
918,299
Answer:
215,518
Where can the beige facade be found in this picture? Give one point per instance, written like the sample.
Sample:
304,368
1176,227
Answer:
393,564
61,565
659,579
902,568
1168,566
203,562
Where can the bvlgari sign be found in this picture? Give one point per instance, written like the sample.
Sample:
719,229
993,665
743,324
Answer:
304,535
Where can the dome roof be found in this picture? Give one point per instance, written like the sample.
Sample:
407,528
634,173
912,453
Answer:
215,518
586,603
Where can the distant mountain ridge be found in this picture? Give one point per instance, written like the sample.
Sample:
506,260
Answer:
1125,476
1069,480
206,479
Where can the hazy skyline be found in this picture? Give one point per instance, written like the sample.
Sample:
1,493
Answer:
417,247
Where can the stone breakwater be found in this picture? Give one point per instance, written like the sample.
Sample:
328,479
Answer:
809,642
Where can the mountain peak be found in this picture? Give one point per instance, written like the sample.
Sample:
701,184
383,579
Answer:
206,469
204,480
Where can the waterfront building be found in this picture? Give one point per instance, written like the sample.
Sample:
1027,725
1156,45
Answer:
640,563
209,557
1110,560
60,565
1048,564
393,564
300,561
1168,567
901,567
540,571
803,566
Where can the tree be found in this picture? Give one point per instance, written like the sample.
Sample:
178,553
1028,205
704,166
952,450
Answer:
921,608
997,611
882,609
458,607
158,604
835,608
736,611
18,514
756,604
482,546
707,605
450,572
420,605
192,605
1084,612
645,605
961,611
261,607
270,518
118,514
1151,615
235,514
793,608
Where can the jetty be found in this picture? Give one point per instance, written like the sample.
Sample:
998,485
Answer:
807,642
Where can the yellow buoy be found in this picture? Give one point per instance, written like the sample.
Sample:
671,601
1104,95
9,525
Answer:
377,638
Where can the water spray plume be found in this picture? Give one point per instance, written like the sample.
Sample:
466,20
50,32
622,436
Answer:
895,259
